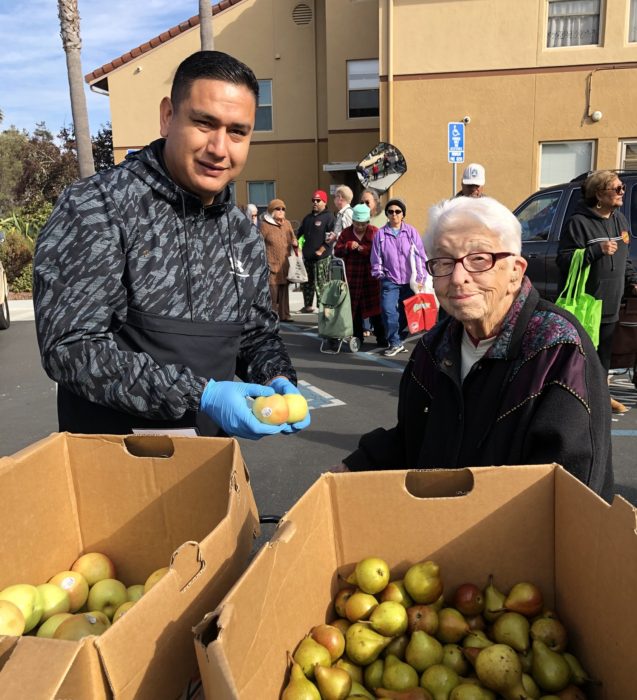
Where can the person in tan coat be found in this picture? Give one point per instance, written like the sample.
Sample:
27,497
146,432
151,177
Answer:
280,241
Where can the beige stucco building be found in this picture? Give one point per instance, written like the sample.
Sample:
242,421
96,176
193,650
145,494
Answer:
549,88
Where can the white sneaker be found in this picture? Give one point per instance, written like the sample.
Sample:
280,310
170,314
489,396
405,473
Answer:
394,350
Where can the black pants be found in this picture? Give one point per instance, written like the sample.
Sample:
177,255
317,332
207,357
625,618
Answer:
377,325
606,331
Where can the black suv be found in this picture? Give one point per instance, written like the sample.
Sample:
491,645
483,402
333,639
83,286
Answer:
543,215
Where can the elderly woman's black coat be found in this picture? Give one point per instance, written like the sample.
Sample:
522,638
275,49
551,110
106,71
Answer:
539,395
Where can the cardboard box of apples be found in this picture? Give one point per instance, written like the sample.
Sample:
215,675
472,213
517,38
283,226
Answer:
90,522
534,524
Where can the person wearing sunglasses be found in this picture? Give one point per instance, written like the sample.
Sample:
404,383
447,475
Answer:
397,257
507,377
280,242
599,226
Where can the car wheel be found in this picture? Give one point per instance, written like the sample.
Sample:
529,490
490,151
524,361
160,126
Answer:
5,319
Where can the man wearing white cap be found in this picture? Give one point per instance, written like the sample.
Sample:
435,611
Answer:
473,179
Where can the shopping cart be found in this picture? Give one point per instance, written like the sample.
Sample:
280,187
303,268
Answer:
335,325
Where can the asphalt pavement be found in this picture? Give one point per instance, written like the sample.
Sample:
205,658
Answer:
349,394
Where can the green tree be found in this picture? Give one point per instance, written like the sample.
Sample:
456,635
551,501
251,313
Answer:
12,148
103,147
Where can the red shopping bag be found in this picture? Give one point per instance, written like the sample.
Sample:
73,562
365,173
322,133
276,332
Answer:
421,312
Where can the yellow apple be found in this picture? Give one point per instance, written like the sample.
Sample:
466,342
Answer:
297,407
106,596
11,619
94,566
27,598
101,617
79,626
123,609
272,410
47,628
75,585
135,592
54,600
154,578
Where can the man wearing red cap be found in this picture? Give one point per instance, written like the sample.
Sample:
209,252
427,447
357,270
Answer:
316,252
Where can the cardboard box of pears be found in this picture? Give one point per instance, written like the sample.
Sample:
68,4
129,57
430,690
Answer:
181,507
531,523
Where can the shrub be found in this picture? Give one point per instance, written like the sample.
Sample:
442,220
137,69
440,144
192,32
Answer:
16,253
24,281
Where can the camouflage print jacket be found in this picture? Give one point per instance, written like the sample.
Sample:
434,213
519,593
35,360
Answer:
130,237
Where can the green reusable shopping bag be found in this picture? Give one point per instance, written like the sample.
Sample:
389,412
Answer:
335,311
585,307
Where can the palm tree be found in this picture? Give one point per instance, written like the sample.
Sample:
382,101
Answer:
72,43
205,25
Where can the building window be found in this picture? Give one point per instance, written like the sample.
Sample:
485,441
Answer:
632,28
263,121
573,23
629,155
261,193
562,161
362,88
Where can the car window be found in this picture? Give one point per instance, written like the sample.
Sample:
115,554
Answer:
536,216
575,197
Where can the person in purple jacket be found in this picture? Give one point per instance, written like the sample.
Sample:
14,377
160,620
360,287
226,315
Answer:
398,261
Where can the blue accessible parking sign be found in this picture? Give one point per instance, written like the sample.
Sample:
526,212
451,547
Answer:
455,142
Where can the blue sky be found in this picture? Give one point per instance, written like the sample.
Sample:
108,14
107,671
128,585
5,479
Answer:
33,82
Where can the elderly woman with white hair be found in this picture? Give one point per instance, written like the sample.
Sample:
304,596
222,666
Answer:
507,377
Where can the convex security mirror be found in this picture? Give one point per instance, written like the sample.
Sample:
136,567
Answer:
381,167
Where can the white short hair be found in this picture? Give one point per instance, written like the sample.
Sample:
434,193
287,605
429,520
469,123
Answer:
486,211
251,209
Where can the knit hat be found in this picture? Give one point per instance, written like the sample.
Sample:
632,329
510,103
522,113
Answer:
320,194
397,202
275,204
360,213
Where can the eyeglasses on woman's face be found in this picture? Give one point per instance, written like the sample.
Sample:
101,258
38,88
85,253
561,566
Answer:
279,208
620,189
473,262
394,212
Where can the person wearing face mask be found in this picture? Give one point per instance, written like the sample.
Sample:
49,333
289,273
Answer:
602,230
280,241
506,377
151,288
396,250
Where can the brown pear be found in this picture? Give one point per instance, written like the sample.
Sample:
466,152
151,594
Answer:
331,638
333,683
476,622
571,692
397,646
452,627
411,694
524,598
422,617
341,623
468,599
299,687
341,598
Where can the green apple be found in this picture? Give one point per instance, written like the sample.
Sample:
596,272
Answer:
79,626
27,598
123,609
47,628
11,619
75,585
135,592
155,577
54,600
94,566
106,596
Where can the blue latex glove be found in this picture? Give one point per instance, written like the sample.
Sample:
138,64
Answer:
282,385
225,403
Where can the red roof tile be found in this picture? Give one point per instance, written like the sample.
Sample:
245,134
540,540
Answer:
154,42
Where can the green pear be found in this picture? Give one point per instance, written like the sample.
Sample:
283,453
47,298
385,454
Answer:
389,619
498,668
453,657
477,639
331,638
373,674
530,686
397,646
340,600
363,645
550,670
359,606
423,651
355,671
439,680
578,674
526,659
411,694
452,627
423,582
360,691
372,574
550,631
310,653
397,675
333,683
493,602
513,629
299,687
396,591
470,691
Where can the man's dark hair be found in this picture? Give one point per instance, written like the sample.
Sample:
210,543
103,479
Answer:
213,65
